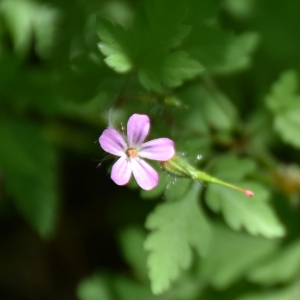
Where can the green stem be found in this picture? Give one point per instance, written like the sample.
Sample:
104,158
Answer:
177,166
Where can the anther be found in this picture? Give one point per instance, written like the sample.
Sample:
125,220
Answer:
131,152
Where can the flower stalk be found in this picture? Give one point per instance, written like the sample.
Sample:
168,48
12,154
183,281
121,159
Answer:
179,167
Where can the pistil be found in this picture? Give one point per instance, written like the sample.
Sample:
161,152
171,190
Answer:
131,152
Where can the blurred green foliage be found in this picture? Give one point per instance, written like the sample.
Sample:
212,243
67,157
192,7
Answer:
220,78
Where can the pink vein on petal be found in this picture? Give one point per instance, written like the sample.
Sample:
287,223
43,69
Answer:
137,129
161,149
144,174
112,142
121,171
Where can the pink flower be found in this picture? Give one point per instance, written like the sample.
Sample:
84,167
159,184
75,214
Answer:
132,152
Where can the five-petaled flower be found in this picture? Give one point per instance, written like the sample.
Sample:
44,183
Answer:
132,152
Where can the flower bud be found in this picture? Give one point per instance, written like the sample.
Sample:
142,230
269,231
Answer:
179,167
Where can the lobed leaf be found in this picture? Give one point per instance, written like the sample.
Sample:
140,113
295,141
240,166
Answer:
284,102
281,267
231,255
206,108
254,214
176,226
220,51
170,71
114,45
148,46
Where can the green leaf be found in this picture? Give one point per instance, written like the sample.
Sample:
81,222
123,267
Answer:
254,214
281,267
188,287
240,9
220,51
128,289
176,227
170,71
284,103
217,110
291,292
231,167
190,120
28,20
132,241
148,45
239,53
29,167
231,255
114,45
177,188
94,288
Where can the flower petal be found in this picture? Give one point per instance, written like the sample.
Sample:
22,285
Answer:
121,171
137,129
144,174
112,142
159,149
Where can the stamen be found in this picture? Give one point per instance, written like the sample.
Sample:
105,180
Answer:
131,152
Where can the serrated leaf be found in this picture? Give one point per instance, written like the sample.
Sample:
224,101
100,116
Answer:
284,102
231,255
32,184
239,53
220,51
253,214
176,227
114,46
171,71
216,111
147,46
283,91
280,267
